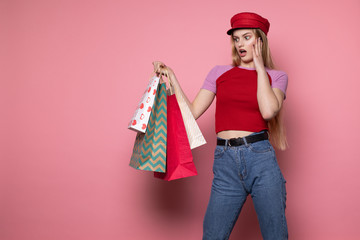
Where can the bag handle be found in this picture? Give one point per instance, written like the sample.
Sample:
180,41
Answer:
164,71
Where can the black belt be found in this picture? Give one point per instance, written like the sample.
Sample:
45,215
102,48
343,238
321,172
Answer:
240,141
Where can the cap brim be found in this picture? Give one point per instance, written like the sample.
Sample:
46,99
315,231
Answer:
229,32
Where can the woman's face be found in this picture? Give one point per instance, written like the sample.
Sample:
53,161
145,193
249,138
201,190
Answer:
244,39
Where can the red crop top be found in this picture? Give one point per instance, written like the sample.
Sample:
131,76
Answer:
236,102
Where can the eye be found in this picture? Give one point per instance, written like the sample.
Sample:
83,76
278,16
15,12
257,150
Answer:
235,39
247,37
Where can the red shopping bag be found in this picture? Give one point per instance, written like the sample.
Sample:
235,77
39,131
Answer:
179,159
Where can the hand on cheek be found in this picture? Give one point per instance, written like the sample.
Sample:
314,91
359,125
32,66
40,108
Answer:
257,55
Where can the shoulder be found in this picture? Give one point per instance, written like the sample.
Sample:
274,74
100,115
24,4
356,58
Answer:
218,70
276,74
213,75
279,79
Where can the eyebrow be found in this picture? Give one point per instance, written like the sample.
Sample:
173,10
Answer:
243,34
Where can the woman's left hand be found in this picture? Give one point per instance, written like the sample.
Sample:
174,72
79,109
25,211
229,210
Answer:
257,55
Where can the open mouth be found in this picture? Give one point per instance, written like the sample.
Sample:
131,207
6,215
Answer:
242,52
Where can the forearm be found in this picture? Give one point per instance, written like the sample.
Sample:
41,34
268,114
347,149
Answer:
267,100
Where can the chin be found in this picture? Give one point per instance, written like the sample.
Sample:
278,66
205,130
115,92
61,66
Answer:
246,60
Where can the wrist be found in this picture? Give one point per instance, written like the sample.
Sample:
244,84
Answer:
261,70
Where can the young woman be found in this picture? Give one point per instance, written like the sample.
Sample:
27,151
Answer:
249,97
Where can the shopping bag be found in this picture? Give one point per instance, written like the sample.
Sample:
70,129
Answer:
193,132
179,159
140,119
149,152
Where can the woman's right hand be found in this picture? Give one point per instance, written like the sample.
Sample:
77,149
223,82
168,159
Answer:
160,67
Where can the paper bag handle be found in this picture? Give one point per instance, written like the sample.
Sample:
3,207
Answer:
165,72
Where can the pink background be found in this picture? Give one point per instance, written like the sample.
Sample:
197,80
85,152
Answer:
72,73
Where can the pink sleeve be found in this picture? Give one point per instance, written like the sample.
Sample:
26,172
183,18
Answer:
215,72
279,80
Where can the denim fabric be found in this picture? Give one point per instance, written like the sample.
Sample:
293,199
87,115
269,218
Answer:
239,171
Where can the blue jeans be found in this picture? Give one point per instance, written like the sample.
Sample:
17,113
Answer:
239,171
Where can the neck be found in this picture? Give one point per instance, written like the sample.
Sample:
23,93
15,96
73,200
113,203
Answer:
248,64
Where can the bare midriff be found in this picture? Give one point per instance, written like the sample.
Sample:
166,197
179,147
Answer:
233,134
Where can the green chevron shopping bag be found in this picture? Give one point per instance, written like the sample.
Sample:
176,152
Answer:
149,152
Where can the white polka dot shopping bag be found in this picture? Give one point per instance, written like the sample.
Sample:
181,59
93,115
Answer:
141,116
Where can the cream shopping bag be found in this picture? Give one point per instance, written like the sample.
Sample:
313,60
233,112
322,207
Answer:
193,132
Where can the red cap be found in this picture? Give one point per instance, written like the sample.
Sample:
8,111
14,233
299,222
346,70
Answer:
249,20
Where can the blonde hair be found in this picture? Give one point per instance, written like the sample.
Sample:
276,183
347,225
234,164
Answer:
276,125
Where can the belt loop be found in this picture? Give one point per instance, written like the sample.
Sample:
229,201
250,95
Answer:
246,144
226,144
